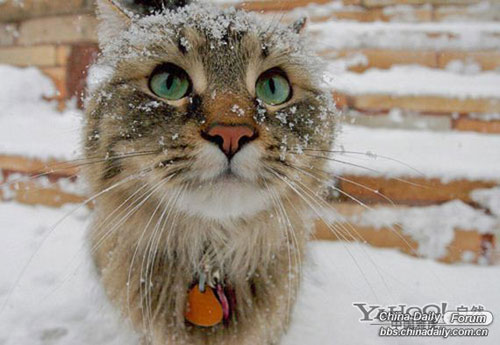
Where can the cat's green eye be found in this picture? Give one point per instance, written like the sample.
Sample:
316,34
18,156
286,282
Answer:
170,82
273,87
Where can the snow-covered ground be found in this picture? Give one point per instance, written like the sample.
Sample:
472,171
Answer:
58,301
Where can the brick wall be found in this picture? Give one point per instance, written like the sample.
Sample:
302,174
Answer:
58,36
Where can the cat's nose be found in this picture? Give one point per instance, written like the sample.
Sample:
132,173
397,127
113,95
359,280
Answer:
229,138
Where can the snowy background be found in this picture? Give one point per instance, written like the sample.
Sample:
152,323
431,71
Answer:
49,294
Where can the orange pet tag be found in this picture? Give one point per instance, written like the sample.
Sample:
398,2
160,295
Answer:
203,308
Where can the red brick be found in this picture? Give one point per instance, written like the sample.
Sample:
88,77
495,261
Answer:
429,104
378,3
32,194
11,10
62,55
79,60
31,166
269,5
359,15
41,56
60,29
373,14
488,60
466,124
483,14
410,191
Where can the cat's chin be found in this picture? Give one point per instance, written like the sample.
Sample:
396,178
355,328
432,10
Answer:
225,198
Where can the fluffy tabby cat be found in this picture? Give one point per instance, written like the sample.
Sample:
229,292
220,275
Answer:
202,123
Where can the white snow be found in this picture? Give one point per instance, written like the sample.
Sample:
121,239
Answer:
489,199
58,300
29,125
432,227
97,75
399,152
322,10
412,36
415,81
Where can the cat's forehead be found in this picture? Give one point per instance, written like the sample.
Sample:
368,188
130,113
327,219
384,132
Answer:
218,29
214,23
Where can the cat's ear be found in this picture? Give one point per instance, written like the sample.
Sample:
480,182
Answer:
115,16
113,20
299,25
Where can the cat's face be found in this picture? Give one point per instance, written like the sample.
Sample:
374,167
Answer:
220,103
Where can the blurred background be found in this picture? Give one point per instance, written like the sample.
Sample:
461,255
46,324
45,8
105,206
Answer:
417,81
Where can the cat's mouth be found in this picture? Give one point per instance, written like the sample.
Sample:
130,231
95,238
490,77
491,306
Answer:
212,166
229,175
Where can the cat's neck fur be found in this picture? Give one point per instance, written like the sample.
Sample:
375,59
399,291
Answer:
148,272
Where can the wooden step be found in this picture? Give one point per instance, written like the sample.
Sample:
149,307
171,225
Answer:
273,6
359,60
373,10
426,104
13,10
470,245
464,241
465,123
407,190
399,119
378,3
34,181
33,193
34,166
364,15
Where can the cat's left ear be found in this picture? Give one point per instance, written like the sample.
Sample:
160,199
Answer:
115,16
299,25
113,20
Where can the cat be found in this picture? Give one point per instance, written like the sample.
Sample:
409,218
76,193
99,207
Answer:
201,223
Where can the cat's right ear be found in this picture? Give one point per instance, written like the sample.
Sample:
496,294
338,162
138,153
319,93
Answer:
113,20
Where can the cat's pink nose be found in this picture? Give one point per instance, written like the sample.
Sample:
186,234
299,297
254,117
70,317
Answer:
230,138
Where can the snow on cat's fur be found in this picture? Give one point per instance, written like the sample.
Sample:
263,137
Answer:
172,200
